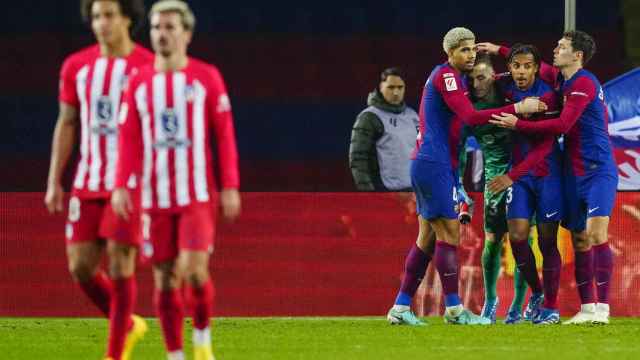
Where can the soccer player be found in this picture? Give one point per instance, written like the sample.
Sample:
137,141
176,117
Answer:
91,83
537,189
433,176
174,110
590,174
496,145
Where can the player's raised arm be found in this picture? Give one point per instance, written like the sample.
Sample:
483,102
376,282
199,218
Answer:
548,73
222,123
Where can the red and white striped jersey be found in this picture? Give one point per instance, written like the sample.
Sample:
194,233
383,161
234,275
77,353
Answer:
166,132
93,84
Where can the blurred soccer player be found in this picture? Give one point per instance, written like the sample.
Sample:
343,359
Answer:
591,176
91,83
173,111
433,176
536,188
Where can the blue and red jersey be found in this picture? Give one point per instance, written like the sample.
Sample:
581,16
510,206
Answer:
445,102
547,154
584,120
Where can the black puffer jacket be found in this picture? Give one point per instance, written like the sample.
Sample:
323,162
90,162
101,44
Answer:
367,130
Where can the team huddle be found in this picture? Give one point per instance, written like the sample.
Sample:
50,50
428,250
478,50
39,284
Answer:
547,161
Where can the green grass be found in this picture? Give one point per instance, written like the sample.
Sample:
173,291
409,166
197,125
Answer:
333,338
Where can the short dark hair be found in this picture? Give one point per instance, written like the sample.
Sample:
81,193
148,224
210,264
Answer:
484,58
392,71
524,49
581,41
133,9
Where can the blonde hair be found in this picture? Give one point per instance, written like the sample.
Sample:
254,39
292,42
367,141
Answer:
181,7
455,36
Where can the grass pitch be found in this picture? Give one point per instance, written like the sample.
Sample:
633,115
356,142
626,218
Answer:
332,338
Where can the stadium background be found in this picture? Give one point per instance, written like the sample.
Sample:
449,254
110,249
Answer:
297,74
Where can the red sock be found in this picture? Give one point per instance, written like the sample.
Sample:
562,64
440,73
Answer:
122,303
170,310
98,290
202,304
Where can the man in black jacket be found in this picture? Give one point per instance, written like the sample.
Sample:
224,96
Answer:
383,137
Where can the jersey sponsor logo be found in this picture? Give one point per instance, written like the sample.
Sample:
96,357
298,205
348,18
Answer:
170,125
103,109
224,104
169,122
104,115
450,84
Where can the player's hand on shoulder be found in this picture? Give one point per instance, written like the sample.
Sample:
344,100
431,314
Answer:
230,202
53,199
488,47
121,203
504,120
499,184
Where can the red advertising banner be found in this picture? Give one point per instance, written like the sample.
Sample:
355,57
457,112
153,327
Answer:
294,254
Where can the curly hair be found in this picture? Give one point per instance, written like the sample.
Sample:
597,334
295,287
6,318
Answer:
132,9
455,36
524,49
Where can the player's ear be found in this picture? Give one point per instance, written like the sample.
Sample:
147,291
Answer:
450,52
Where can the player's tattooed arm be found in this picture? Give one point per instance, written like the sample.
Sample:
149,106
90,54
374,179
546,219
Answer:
61,149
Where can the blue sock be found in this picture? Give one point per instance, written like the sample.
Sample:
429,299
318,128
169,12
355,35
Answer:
403,299
452,300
